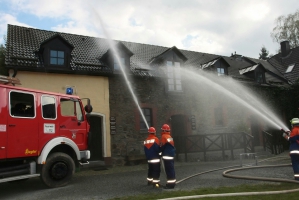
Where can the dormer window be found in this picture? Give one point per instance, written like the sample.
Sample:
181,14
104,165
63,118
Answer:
55,53
259,77
121,57
56,57
172,59
290,68
218,65
220,71
174,76
116,63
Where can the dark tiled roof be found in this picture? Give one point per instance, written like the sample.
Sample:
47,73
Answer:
266,65
282,63
23,43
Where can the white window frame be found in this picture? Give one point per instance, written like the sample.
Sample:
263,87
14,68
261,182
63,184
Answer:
45,101
116,65
220,71
174,80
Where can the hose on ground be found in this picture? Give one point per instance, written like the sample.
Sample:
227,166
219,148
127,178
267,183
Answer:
205,172
225,174
213,170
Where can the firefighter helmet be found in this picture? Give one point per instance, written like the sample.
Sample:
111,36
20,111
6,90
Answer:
295,121
152,130
165,127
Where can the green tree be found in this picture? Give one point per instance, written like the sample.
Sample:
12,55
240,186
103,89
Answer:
287,28
3,70
264,55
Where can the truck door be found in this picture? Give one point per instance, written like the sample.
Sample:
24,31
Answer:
22,125
71,121
48,125
3,121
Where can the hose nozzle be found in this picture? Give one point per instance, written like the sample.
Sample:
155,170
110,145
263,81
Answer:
283,130
285,134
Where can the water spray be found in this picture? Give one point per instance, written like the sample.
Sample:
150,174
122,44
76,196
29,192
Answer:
121,65
267,115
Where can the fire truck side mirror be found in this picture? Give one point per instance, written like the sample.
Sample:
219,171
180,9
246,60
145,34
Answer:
88,108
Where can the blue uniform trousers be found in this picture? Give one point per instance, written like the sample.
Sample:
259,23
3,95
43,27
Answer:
170,173
295,164
153,173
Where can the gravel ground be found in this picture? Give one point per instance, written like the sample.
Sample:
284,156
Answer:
131,180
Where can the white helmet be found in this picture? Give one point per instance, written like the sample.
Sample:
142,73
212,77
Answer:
295,121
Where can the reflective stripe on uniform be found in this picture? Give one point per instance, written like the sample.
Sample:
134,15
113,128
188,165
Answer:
156,181
154,161
171,181
167,157
149,179
296,175
149,141
294,152
169,139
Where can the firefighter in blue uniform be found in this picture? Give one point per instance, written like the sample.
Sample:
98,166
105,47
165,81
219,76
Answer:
293,138
152,151
168,153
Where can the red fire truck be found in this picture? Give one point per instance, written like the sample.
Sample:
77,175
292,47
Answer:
41,134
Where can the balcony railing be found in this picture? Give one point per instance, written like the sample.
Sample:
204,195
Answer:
214,142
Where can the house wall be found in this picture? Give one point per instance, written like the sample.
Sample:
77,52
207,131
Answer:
196,101
93,87
150,92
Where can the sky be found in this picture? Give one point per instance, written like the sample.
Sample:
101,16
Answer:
219,27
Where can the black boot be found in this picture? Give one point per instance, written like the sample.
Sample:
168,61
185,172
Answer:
168,186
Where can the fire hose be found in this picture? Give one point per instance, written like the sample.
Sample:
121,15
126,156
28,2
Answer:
225,174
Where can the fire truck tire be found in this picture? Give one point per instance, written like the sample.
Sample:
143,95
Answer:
58,170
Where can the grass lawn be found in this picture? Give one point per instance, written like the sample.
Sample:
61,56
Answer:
220,190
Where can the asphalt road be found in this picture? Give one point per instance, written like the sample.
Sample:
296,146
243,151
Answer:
131,180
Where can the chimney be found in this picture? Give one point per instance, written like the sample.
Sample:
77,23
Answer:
285,48
236,56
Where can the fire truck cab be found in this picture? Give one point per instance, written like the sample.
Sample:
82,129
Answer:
42,134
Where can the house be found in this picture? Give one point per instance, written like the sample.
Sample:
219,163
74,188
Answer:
287,62
160,78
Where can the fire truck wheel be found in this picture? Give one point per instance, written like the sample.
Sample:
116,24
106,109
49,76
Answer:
58,170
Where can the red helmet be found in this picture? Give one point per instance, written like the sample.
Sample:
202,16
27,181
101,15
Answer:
165,127
152,130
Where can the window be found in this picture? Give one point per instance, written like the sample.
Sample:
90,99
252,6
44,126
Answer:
48,107
22,104
220,71
56,57
116,64
147,112
290,68
259,77
71,108
218,116
174,76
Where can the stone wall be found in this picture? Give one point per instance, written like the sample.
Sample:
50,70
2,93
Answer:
199,102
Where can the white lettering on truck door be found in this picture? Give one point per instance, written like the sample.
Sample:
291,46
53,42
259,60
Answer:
2,128
49,128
